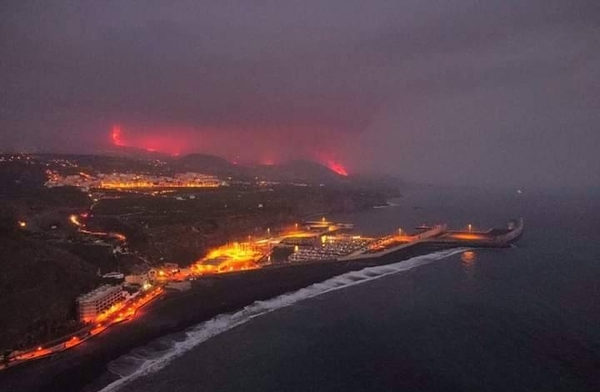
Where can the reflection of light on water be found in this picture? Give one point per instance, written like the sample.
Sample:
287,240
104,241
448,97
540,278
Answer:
468,259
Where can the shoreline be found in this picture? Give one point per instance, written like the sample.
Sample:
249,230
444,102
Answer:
85,367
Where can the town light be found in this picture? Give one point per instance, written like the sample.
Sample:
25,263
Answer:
74,220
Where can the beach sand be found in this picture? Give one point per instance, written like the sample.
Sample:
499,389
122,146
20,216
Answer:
84,368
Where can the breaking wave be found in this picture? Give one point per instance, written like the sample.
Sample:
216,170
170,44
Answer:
159,353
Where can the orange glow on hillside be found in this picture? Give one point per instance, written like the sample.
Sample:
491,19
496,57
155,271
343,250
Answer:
116,136
237,146
338,168
328,159
267,161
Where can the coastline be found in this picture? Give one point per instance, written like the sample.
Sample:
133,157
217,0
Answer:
85,367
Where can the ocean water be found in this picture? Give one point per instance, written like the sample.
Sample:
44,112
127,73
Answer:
526,318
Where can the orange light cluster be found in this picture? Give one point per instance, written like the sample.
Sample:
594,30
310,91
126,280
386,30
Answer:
235,251
468,236
126,311
226,266
111,311
74,341
147,184
232,257
37,353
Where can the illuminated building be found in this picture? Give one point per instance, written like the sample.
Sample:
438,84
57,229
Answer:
139,279
98,301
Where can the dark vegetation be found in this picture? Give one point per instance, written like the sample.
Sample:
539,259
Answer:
38,283
45,265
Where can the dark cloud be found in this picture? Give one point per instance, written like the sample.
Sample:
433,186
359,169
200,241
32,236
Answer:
483,92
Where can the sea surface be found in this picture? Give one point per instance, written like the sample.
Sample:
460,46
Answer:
526,318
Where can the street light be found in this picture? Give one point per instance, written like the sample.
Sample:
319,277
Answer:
470,227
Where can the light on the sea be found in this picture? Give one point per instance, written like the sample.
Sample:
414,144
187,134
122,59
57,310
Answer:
468,258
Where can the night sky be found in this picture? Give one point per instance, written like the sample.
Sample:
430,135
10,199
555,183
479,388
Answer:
491,93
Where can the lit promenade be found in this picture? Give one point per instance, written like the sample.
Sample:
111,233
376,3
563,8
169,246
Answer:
119,313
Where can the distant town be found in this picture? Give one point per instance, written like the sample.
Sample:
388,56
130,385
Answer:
86,182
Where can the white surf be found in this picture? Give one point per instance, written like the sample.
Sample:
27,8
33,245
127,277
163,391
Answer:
149,359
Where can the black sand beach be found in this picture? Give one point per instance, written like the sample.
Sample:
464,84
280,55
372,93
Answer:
85,366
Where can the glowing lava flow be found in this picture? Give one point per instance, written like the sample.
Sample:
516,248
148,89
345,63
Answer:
164,144
338,168
327,159
116,136
176,141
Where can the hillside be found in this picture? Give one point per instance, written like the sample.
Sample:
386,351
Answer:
38,282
